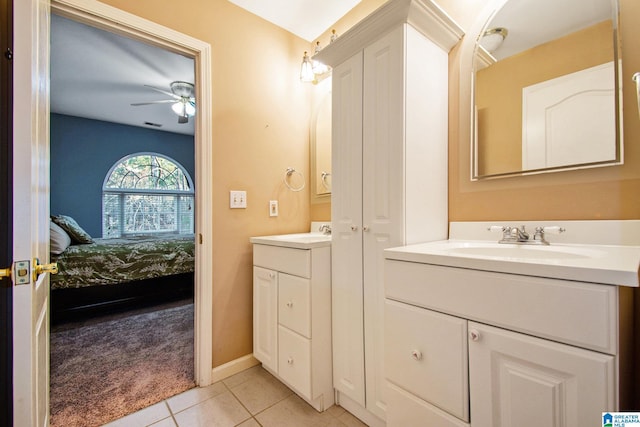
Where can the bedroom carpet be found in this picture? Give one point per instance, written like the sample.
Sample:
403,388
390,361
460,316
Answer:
106,368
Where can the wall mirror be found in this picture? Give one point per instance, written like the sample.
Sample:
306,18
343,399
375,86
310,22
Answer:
546,88
321,150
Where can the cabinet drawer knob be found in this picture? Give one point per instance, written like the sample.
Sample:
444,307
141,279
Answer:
272,275
365,228
354,228
416,355
290,304
290,360
474,335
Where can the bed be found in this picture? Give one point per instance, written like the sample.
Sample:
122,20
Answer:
113,273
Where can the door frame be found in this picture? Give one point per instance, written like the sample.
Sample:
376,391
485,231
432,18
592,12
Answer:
6,216
106,17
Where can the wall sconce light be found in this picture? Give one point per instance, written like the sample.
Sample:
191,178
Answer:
306,69
493,38
317,66
311,69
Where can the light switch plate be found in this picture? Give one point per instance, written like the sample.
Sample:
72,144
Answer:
237,199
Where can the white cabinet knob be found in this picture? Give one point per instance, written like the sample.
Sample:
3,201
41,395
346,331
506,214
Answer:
290,304
290,360
365,228
416,355
474,335
272,275
354,228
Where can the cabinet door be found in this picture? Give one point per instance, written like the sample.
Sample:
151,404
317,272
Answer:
521,381
265,317
382,188
346,220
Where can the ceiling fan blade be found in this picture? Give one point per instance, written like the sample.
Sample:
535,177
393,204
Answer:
164,101
173,95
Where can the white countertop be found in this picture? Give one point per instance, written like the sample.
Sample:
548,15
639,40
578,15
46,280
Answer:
296,241
608,264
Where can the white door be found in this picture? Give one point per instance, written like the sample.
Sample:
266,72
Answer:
31,211
346,222
520,381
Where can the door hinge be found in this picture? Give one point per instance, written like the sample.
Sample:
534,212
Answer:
8,54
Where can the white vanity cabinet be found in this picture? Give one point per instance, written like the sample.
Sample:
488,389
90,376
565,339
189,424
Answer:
502,349
389,174
292,315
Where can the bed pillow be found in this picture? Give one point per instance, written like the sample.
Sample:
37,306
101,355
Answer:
68,224
60,240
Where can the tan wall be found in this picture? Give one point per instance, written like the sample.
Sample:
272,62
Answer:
260,127
599,193
499,91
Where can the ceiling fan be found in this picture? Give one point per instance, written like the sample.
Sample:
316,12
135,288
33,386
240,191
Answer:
183,100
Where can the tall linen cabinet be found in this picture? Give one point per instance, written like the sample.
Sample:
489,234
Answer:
389,174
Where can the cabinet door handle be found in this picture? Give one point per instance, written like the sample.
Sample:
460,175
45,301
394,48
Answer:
290,360
416,355
290,304
365,228
474,335
272,275
354,228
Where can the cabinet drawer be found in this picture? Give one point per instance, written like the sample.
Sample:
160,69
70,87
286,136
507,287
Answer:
576,313
426,353
286,260
294,361
294,303
407,410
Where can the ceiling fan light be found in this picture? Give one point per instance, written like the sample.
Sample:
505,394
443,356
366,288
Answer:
190,109
179,108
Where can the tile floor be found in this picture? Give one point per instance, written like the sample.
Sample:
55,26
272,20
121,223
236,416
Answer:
251,398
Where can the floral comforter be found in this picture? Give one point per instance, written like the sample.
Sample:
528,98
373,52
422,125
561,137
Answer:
111,261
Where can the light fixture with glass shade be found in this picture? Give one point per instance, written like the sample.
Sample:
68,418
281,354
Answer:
306,69
493,38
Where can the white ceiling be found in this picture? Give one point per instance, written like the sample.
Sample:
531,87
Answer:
96,74
533,22
305,18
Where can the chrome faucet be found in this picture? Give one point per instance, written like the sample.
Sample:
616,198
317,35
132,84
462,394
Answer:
325,229
514,235
520,235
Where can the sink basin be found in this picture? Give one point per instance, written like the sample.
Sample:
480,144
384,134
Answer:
615,265
514,251
296,240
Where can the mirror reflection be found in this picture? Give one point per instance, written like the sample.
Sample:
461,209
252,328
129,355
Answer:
321,149
546,89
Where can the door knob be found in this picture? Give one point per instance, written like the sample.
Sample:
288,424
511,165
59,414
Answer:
5,272
39,269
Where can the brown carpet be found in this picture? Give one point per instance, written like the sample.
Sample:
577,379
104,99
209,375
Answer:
107,368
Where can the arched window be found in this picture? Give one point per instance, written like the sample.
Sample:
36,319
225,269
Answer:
147,193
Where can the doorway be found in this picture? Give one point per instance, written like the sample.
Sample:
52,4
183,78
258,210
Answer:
116,21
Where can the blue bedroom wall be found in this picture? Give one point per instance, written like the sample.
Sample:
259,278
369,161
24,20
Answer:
84,150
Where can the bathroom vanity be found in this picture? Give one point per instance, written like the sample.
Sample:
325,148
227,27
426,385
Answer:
292,312
483,334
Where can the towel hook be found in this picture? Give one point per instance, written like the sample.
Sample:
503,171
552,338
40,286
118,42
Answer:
636,79
290,171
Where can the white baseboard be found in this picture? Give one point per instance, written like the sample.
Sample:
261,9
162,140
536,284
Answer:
231,368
